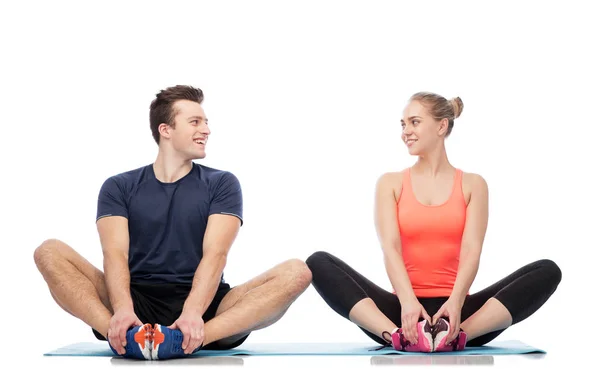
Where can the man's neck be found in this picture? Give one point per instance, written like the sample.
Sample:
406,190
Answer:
170,168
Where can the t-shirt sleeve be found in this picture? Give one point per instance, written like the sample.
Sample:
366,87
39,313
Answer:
111,200
227,197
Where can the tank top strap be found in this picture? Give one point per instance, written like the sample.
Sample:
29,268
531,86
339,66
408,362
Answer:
457,192
406,187
406,180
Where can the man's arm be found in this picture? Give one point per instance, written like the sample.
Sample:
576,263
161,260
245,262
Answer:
473,236
221,231
114,237
224,222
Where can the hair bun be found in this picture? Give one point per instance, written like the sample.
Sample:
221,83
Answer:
457,106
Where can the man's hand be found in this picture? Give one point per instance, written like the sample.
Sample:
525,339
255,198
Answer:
451,309
190,323
120,323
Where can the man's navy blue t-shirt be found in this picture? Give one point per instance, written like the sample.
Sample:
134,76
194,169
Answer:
167,221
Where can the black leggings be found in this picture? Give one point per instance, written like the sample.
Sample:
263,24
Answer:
522,293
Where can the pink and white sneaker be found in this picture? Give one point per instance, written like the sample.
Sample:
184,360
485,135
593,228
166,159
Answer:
424,341
440,332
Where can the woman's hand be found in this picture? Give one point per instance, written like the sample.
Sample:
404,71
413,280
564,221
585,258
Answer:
451,309
411,312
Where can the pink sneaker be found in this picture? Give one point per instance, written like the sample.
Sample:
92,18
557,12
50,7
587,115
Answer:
440,332
424,342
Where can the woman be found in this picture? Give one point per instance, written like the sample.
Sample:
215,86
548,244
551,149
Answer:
431,221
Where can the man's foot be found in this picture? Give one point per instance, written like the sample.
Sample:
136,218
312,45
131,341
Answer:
139,343
424,342
167,343
440,332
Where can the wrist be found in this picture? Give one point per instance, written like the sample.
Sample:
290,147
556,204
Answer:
458,299
408,299
191,306
122,306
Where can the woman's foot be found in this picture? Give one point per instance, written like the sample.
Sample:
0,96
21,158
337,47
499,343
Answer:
440,333
424,341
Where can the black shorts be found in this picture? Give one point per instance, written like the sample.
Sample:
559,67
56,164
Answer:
162,304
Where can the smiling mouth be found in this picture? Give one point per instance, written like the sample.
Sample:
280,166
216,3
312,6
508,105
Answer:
200,141
410,142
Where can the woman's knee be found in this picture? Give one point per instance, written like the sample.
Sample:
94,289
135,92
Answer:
551,270
317,260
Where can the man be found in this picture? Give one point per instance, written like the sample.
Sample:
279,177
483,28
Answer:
166,230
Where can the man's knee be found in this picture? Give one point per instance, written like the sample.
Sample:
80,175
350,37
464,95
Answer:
47,251
298,274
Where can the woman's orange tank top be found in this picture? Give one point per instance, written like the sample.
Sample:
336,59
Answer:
431,238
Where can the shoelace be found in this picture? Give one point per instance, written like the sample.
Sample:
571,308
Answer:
453,343
388,344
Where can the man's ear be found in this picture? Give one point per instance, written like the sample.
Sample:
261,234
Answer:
164,130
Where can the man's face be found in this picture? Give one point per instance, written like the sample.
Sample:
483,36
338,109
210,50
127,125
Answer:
189,134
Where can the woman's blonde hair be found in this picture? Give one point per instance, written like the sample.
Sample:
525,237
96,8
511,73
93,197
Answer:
439,107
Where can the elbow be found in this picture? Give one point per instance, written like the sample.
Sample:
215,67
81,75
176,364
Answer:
471,250
392,253
471,256
391,245
114,257
215,258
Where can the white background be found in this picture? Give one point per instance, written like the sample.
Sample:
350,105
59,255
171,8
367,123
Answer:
304,101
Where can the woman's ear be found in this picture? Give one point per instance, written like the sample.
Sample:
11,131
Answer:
443,128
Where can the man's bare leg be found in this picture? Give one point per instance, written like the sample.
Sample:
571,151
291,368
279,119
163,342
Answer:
257,303
75,284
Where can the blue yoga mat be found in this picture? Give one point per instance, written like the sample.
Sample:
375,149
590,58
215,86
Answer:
270,349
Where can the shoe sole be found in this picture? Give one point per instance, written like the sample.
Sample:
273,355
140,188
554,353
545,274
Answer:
160,338
143,338
440,340
425,339
462,341
157,340
425,329
440,336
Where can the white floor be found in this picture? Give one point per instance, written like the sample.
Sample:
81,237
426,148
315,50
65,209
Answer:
512,361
